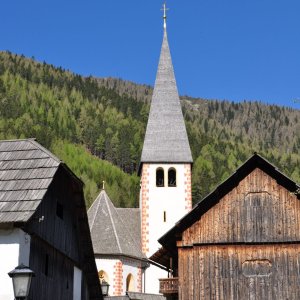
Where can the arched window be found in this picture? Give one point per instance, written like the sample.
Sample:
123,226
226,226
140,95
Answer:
130,283
103,276
160,174
171,177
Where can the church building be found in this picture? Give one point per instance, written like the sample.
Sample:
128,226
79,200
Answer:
126,238
240,242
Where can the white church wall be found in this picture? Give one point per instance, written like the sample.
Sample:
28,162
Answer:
14,250
117,271
108,266
174,201
131,266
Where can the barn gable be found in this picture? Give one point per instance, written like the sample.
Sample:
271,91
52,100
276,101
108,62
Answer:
257,210
256,204
240,242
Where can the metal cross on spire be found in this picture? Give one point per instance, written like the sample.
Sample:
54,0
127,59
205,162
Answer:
165,9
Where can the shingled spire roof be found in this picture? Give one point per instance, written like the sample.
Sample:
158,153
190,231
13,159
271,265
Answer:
110,234
166,138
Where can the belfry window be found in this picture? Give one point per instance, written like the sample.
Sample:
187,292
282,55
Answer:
160,174
171,177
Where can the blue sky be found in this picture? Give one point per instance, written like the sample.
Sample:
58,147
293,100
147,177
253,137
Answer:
221,49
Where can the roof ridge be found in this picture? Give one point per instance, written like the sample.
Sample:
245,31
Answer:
112,221
94,218
17,140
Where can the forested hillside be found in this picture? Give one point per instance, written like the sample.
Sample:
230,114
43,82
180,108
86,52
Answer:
85,121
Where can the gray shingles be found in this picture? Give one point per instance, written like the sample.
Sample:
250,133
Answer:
26,171
109,232
28,164
136,296
131,218
142,296
22,195
166,138
25,154
15,145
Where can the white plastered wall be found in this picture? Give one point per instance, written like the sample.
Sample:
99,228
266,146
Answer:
130,267
14,250
107,265
165,199
77,282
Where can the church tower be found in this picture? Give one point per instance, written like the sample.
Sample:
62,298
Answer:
166,161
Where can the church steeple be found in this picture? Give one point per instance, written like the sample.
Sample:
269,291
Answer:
165,169
166,138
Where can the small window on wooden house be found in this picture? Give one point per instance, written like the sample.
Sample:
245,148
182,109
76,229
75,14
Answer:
160,174
60,210
171,177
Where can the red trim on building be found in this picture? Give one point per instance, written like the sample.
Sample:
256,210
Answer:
118,279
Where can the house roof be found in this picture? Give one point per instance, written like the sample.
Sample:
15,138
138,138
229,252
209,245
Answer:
137,296
168,240
166,138
114,231
26,171
131,217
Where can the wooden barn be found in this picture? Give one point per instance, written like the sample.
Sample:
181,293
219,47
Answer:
242,241
44,225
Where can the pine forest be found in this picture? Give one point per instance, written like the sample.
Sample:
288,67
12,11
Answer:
97,126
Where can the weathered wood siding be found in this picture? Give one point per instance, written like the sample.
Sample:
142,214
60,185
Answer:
61,233
257,210
254,272
57,281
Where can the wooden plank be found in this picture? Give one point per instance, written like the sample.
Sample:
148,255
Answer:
217,272
257,210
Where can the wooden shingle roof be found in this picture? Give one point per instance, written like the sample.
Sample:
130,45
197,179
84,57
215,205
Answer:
136,296
111,235
166,138
26,171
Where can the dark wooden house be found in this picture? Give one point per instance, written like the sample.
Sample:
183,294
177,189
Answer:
44,224
242,241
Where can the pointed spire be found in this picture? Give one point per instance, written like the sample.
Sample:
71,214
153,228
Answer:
166,138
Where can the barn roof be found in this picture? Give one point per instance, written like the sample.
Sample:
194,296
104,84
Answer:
26,171
166,139
114,231
256,161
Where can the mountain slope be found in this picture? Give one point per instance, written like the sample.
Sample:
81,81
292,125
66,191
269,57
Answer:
106,118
